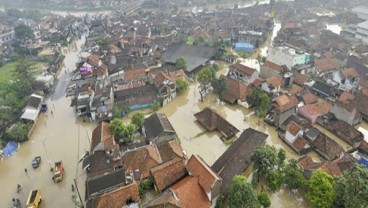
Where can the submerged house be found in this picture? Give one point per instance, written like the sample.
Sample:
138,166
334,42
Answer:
236,159
213,121
158,129
282,108
32,109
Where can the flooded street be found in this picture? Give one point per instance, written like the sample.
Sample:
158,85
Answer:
58,137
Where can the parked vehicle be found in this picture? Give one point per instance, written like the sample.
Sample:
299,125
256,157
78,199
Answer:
36,162
34,199
58,171
43,108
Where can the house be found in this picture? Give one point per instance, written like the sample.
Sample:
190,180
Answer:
270,69
100,163
294,138
158,129
101,106
213,121
231,58
288,56
337,166
119,197
326,147
362,32
139,161
194,56
347,79
347,112
309,98
243,73
187,193
300,79
165,86
32,109
295,90
272,85
170,150
236,159
312,111
362,103
282,108
361,153
168,173
341,129
325,65
322,89
361,12
103,139
308,165
236,90
208,180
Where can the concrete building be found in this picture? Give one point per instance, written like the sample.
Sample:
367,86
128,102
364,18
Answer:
287,56
361,12
6,36
362,32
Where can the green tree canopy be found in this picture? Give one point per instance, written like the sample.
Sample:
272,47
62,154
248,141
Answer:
156,106
18,132
180,63
103,43
321,191
205,77
293,176
260,100
263,199
352,188
181,85
122,131
219,86
241,194
23,76
23,32
138,119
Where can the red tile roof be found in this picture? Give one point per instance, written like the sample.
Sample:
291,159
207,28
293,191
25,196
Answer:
325,65
284,102
207,178
274,81
166,174
133,74
300,143
346,97
300,79
293,128
118,197
273,66
309,98
338,166
350,73
295,89
236,90
170,150
102,138
190,193
93,60
242,69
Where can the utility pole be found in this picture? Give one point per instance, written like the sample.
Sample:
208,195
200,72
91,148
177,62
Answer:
76,187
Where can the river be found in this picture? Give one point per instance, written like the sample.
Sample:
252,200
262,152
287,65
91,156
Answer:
60,136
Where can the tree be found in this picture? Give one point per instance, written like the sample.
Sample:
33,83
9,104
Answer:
122,131
293,176
181,85
266,165
352,188
215,67
180,63
138,119
103,43
23,76
156,106
18,132
219,86
23,32
205,76
220,202
241,194
321,192
260,100
263,199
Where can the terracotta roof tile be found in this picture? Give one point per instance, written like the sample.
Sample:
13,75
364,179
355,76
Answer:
306,162
190,193
300,79
93,60
118,197
318,108
309,98
236,90
178,74
273,66
274,81
134,74
300,143
329,148
197,167
164,200
325,65
285,102
295,89
350,73
346,97
242,69
166,174
293,128
338,166
170,150
141,159
102,138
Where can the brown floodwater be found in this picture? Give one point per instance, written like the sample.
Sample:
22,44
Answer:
60,136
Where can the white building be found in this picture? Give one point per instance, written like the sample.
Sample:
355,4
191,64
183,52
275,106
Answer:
361,12
6,36
287,56
362,32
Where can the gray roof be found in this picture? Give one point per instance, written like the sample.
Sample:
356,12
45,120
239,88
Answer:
360,9
363,25
156,124
101,184
194,56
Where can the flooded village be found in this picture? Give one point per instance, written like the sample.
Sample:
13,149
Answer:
187,104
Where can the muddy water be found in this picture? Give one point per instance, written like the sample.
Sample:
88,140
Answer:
58,137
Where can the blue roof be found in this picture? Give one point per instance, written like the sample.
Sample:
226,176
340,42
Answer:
10,148
243,45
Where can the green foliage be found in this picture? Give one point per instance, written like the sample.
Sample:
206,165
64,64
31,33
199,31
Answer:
215,67
23,76
145,185
352,188
122,131
263,199
219,86
205,76
23,32
181,85
19,132
180,63
321,191
116,112
241,194
293,176
261,59
138,119
103,43
274,180
244,55
260,100
156,106
281,156
220,202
